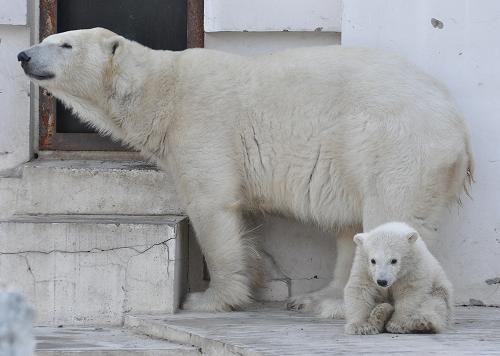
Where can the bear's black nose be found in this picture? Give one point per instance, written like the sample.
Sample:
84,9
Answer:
382,282
23,57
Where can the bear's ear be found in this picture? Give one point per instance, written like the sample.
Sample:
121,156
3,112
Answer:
413,236
358,238
114,45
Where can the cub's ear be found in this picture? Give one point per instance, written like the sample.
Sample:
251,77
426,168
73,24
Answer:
413,236
359,238
114,45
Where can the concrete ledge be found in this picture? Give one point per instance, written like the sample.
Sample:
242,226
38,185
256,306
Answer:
88,187
89,269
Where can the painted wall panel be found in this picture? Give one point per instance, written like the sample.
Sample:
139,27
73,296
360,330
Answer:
13,12
14,98
272,15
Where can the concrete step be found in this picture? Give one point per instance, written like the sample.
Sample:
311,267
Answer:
104,341
94,269
88,187
268,329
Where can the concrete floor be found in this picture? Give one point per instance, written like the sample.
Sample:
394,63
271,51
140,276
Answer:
266,329
271,330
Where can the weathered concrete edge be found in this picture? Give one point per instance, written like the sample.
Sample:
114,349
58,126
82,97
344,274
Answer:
118,352
167,219
207,346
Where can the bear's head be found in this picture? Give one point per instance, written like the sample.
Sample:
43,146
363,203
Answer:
388,251
74,63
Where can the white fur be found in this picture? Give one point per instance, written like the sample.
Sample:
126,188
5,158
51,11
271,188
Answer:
416,284
347,138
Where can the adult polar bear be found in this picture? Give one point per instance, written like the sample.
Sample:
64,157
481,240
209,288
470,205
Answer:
345,138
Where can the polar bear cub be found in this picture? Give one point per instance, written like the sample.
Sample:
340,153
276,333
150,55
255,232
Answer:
394,277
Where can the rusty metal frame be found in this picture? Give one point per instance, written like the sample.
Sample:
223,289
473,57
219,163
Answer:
52,140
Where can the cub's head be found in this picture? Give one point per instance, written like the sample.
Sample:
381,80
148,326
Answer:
388,251
72,62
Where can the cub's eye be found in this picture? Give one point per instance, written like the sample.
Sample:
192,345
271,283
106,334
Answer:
373,261
394,261
66,45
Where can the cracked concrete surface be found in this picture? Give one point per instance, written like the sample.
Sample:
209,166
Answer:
291,261
95,250
92,270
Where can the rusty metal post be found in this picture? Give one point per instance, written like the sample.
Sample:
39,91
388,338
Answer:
195,28
47,103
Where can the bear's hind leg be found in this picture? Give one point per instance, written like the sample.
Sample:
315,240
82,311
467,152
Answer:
432,317
425,322
328,302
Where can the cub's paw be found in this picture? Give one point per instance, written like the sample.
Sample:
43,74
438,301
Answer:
380,314
397,326
424,324
361,329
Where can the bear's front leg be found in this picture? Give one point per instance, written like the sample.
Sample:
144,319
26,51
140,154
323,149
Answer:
228,256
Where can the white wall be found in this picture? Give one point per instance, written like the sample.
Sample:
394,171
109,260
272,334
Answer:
465,55
14,86
13,12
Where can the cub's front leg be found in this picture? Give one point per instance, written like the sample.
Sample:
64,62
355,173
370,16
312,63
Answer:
380,314
360,299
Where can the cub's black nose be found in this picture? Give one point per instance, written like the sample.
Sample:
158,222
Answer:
23,57
382,282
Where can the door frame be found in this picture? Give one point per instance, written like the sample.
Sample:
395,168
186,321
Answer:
49,138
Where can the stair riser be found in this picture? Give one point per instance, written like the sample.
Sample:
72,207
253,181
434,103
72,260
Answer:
53,189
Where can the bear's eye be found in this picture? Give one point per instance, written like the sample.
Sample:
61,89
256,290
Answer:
394,261
66,45
373,261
